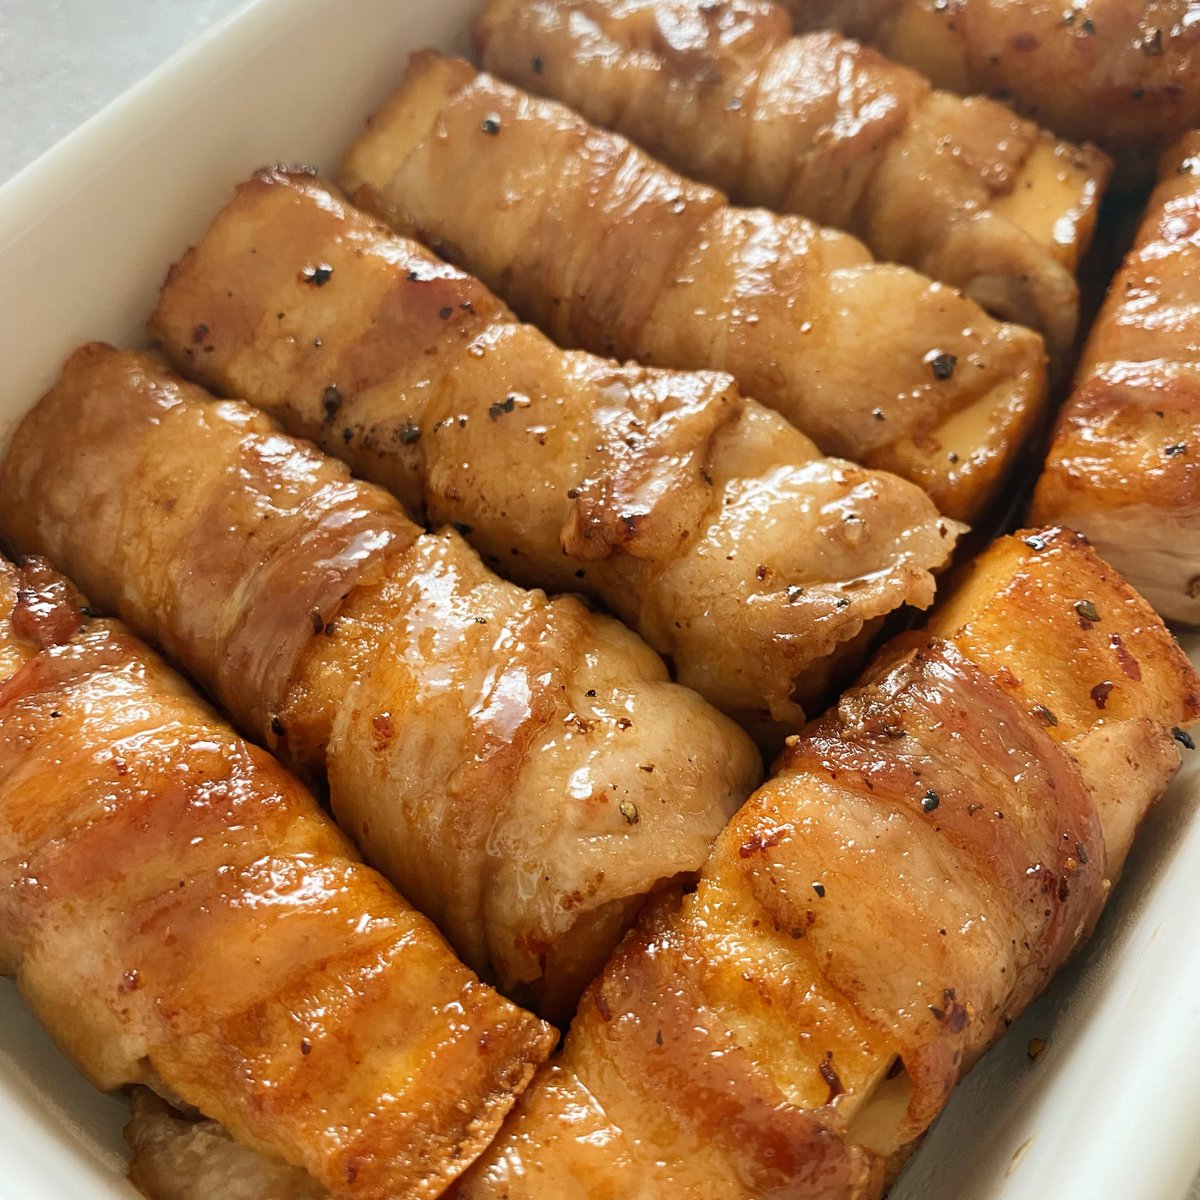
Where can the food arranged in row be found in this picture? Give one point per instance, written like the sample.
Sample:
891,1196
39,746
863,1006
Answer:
963,190
709,524
923,860
604,248
784,989
1124,465
180,913
521,768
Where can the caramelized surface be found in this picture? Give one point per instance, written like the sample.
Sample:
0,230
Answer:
179,912
603,248
708,523
925,856
963,190
1124,466
1122,73
521,767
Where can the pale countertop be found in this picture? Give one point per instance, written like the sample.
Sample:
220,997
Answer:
63,60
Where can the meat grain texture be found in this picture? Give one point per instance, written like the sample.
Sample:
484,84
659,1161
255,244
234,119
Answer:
715,529
520,767
603,248
1124,464
179,913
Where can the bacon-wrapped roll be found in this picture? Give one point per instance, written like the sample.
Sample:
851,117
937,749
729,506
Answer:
1124,465
178,912
707,522
520,767
925,857
605,249
962,190
1122,73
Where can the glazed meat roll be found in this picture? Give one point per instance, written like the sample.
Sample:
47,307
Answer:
521,767
603,248
178,912
1122,73
963,190
925,857
707,522
1124,465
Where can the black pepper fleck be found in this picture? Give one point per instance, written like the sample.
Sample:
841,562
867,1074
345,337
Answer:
331,398
941,364
410,433
1184,738
930,800
1087,610
317,276
819,888
490,124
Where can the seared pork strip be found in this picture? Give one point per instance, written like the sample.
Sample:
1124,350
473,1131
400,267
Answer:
925,857
1124,465
521,767
178,912
707,522
963,190
1122,73
605,249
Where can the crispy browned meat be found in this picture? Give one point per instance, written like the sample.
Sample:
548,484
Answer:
925,857
1124,465
178,912
1122,73
522,768
707,522
603,248
963,190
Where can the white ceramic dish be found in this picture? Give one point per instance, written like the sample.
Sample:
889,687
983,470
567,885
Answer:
1110,1110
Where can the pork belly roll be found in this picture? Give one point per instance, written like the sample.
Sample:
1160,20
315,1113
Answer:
925,857
1124,465
1122,73
963,190
603,248
520,767
179,912
707,522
